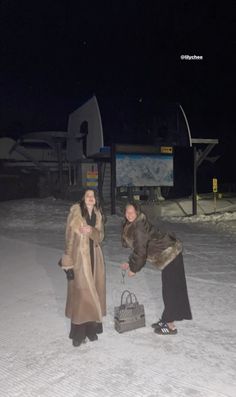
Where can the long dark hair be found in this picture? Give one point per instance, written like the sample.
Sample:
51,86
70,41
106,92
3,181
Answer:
84,210
136,207
133,204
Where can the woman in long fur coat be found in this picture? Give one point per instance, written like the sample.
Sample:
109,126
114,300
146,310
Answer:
164,251
84,266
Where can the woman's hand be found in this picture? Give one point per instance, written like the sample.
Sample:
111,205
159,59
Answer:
124,266
131,274
85,229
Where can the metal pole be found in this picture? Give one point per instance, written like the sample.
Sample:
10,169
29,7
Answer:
69,174
100,166
113,180
60,166
194,180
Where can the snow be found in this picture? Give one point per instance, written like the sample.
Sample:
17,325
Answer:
36,355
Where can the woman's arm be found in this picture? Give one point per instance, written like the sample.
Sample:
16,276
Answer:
139,255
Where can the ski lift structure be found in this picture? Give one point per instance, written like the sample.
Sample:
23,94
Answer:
198,157
59,159
172,130
68,156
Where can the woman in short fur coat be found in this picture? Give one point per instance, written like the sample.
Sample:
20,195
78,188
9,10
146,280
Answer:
83,258
164,251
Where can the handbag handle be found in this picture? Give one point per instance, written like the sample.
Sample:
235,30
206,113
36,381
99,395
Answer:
130,295
122,296
133,298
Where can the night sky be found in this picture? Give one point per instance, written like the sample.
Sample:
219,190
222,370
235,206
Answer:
56,54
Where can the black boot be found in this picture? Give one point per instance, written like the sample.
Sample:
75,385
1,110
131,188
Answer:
93,337
77,342
77,334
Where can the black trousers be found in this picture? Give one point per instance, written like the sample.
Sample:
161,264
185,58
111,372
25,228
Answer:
80,331
174,292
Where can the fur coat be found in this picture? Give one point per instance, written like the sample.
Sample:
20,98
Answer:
86,294
147,244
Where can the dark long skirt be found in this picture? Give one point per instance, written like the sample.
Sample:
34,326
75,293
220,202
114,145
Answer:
174,292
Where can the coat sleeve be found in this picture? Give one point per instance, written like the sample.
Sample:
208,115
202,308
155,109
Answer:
66,260
139,255
123,242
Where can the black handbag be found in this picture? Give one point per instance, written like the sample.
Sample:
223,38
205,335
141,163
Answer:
130,314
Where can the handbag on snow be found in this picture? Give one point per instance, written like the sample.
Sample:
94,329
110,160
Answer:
130,314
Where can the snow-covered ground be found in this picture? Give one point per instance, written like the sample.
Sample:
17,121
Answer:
36,355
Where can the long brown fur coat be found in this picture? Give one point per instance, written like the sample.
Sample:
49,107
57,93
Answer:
147,244
86,294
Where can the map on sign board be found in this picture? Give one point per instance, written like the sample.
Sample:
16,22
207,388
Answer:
144,170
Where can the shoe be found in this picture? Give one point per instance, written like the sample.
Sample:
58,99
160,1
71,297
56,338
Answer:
158,324
77,342
92,338
165,330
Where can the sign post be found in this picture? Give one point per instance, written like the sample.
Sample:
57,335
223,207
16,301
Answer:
215,190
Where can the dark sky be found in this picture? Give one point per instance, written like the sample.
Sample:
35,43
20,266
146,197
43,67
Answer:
56,54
